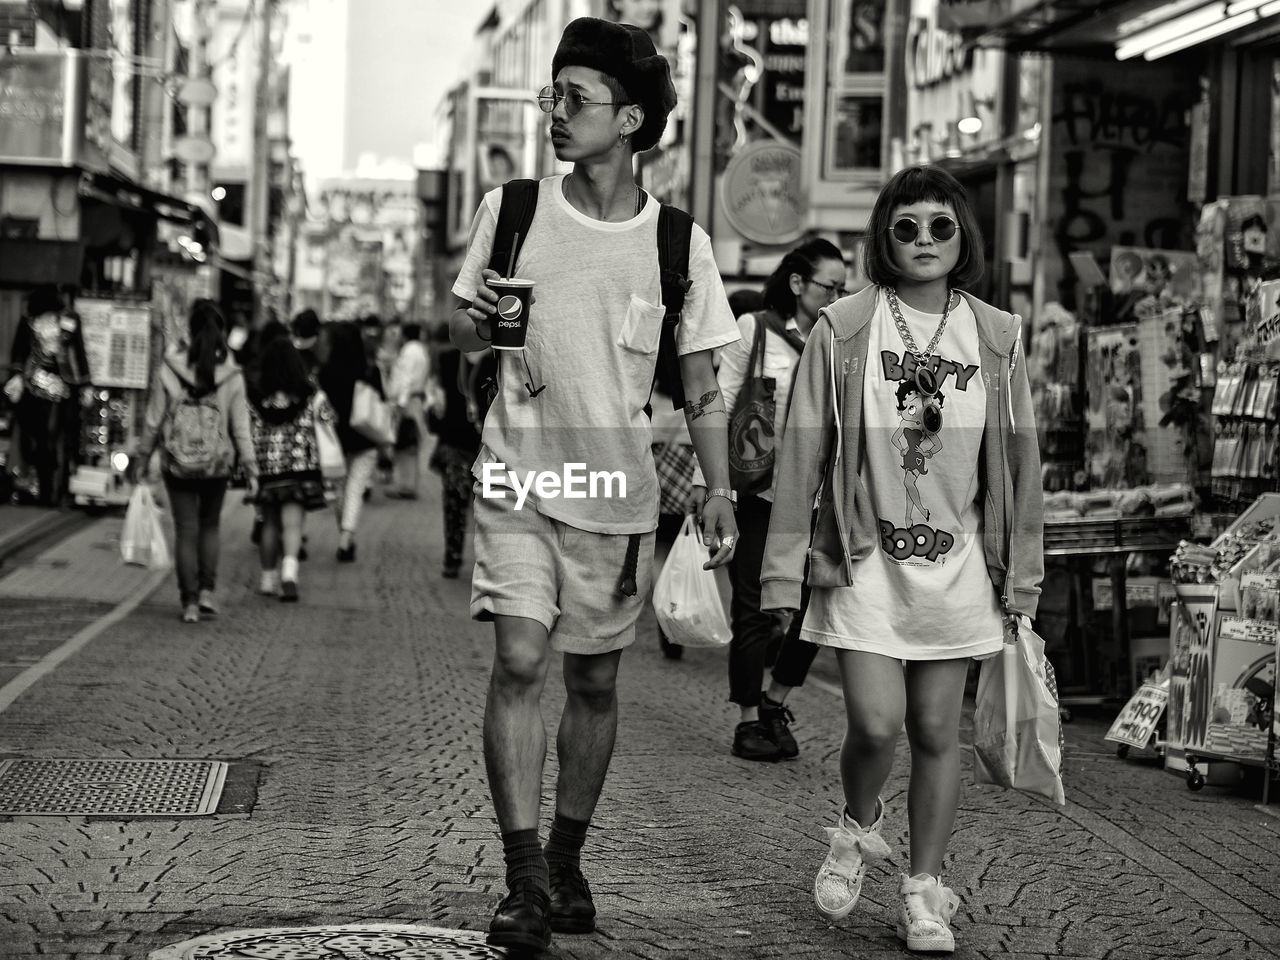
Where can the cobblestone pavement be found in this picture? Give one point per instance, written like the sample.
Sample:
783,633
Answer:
357,793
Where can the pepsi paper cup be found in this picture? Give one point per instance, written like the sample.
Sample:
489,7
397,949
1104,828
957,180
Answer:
511,321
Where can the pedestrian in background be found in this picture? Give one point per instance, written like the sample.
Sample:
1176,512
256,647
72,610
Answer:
935,445
305,331
348,364
571,575
409,394
457,443
198,416
283,410
47,367
808,278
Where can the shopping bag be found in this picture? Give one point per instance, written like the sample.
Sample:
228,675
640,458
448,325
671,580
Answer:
333,465
1017,730
685,597
371,415
142,539
751,427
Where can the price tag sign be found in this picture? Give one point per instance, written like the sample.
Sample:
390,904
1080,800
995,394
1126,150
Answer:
1137,721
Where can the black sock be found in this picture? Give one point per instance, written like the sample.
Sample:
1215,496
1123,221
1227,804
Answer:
567,837
525,862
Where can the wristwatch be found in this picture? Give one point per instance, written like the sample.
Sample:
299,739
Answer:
725,492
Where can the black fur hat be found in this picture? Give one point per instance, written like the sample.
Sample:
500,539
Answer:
627,54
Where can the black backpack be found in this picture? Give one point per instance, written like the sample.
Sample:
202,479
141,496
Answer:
675,227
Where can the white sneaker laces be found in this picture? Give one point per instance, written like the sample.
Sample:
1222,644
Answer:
852,849
928,902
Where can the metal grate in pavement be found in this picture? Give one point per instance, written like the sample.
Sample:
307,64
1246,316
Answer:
142,788
367,941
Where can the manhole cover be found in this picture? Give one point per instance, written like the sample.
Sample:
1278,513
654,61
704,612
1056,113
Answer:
373,941
147,788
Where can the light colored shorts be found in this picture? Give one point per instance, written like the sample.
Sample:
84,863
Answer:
530,565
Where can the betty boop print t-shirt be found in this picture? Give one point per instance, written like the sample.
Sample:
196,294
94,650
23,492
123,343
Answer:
924,593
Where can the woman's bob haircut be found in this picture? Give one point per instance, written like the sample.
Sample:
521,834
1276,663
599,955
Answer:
911,186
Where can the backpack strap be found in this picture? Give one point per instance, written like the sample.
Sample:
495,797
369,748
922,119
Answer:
515,216
675,228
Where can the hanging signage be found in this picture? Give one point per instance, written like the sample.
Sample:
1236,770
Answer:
117,342
785,44
760,193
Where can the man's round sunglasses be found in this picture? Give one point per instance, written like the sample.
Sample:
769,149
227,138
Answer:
548,100
941,228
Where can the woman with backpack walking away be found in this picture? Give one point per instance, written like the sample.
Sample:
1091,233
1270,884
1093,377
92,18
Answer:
283,410
198,416
347,365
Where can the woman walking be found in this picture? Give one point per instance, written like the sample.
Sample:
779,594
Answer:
348,364
934,427
807,279
198,416
457,444
283,410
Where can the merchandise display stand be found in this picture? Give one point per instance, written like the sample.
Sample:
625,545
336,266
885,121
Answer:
1225,646
1114,537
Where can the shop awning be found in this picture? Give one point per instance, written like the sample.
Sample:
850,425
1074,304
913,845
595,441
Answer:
131,196
1063,26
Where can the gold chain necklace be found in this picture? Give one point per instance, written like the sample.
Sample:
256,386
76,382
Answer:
922,359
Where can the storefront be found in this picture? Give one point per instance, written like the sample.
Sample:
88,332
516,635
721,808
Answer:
1153,337
75,216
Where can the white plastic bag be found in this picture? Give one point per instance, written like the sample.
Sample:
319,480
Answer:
685,597
1017,731
142,539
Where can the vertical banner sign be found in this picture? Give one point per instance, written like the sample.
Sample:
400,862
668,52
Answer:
117,342
1199,605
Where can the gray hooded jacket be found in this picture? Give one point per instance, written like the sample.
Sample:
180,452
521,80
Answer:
819,461
175,379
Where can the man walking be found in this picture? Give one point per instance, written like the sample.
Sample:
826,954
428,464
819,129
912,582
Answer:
563,567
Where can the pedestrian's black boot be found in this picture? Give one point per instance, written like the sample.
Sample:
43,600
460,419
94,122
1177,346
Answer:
572,910
521,922
776,717
751,741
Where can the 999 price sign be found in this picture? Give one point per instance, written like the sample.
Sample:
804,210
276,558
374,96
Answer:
1138,719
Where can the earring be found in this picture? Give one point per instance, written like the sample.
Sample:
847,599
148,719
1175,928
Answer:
622,137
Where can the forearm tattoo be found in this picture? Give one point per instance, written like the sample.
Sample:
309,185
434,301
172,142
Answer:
700,408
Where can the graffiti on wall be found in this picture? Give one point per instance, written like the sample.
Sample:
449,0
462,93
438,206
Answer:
1119,168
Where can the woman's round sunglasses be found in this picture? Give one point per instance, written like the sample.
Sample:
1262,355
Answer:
941,228
573,101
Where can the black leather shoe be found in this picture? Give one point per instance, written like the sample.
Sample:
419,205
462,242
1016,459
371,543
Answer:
777,720
521,921
572,910
751,741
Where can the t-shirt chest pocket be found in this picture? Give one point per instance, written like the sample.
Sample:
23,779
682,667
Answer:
642,329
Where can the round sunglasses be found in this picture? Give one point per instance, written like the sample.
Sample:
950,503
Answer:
941,228
574,101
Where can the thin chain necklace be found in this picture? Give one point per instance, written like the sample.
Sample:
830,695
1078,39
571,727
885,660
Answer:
922,359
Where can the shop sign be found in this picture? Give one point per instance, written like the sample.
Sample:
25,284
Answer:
117,342
1269,312
1137,721
760,193
32,107
934,55
1248,630
785,43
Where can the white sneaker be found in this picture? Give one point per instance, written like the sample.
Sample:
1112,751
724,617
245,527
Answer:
269,585
839,880
924,919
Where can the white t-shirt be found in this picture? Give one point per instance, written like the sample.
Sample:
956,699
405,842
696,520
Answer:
924,593
593,342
